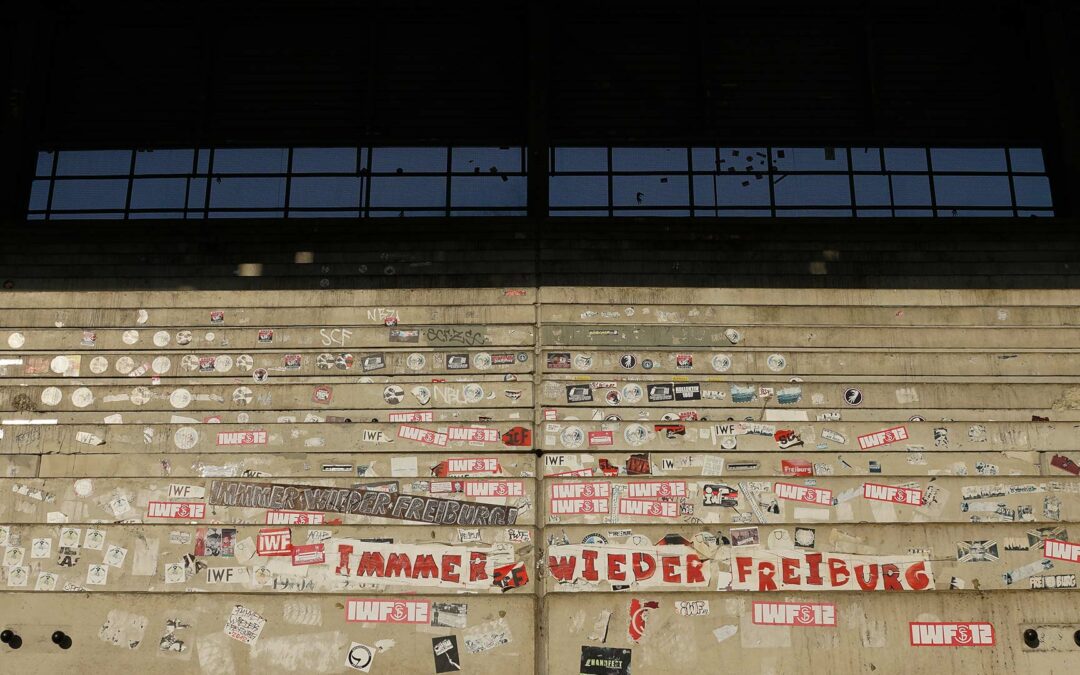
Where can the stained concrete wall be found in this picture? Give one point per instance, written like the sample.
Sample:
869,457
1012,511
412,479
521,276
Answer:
555,480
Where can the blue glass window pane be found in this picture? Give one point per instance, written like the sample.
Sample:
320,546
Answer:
164,161
249,193
704,190
866,159
652,213
324,160
39,195
648,191
648,159
972,191
704,159
968,159
1027,160
90,194
197,193
578,191
1032,191
487,191
44,164
581,159
408,160
741,190
158,193
905,159
251,160
408,191
94,163
504,160
808,159
325,191
911,190
872,190
816,190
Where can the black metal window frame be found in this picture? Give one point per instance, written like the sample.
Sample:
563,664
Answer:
203,208
769,170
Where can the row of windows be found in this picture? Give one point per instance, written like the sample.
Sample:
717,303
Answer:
439,181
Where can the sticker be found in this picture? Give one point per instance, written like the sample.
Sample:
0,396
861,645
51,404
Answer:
274,542
853,397
445,652
363,610
604,661
115,556
889,493
322,394
721,363
628,361
692,607
577,393
244,625
776,362
449,615
883,437
945,634
130,337
178,510
393,394
180,398
794,614
360,657
416,361
1060,550
51,396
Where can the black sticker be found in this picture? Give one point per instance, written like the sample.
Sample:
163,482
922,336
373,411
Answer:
577,393
604,661
687,392
457,361
445,650
370,362
661,392
558,360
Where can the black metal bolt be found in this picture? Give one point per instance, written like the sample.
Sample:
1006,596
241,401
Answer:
61,639
1031,638
9,638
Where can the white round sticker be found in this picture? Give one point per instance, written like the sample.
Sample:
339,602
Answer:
16,340
481,360
721,363
572,437
209,337
60,364
124,365
242,418
474,393
185,438
632,392
130,337
636,434
416,361
161,338
161,365
51,396
189,362
82,397
776,362
180,398
140,395
84,487
144,316
98,365
183,337
242,395
223,363
244,363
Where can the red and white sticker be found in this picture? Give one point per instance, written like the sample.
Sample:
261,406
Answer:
797,467
1061,550
308,554
580,490
471,465
945,634
387,611
421,435
648,507
576,473
883,437
494,488
255,437
601,438
414,416
474,434
656,489
891,493
561,507
802,493
179,510
794,614
274,542
293,518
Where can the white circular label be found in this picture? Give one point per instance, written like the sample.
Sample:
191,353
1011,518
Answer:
583,361
242,395
632,392
728,442
721,363
84,487
223,363
474,393
180,398
144,316
60,364
124,365
416,361
161,338
636,434
572,437
98,365
243,418
189,362
776,362
183,337
140,395
161,365
244,363
481,360
82,397
51,396
185,438
209,337
16,340
130,337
